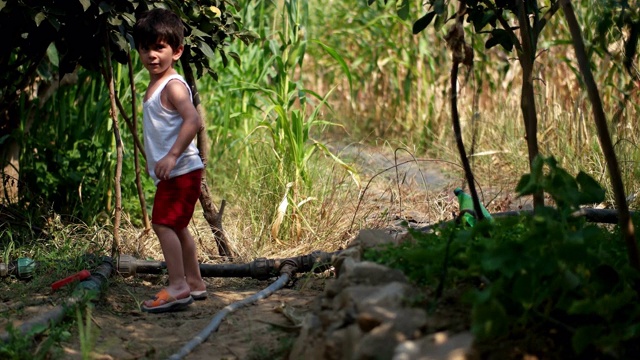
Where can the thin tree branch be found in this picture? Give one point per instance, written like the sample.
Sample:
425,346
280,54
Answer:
108,74
455,41
527,100
131,124
540,24
211,214
137,149
605,139
505,25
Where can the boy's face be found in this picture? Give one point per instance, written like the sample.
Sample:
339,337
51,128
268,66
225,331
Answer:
159,57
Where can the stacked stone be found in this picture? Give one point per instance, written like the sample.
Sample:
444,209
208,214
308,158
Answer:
366,313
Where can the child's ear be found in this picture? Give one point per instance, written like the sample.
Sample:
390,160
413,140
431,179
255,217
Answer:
178,52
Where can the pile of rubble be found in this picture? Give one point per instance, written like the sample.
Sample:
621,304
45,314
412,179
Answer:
366,313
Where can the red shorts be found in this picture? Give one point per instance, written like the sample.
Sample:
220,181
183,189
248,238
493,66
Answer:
176,199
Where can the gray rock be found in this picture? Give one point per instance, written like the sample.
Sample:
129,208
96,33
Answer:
341,343
439,346
310,341
370,273
365,313
409,321
392,296
372,238
378,344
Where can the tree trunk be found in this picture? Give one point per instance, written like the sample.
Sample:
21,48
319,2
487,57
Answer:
10,154
211,214
10,172
624,219
527,100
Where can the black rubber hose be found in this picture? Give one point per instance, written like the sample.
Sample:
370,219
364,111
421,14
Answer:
206,270
261,268
599,216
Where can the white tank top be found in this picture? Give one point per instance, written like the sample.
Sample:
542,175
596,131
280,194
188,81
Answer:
161,128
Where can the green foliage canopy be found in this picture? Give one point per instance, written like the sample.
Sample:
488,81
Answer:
45,39
74,33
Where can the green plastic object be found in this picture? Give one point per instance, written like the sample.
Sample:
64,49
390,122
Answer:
465,202
25,268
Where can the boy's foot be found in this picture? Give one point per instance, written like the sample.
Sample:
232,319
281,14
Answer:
198,289
163,302
199,295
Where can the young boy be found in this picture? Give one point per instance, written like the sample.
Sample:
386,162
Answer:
171,123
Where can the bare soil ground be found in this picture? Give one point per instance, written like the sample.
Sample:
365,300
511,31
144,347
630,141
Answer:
257,331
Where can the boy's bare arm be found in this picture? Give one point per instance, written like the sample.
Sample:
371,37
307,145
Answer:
178,97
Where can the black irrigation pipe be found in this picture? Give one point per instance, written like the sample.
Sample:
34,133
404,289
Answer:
261,268
96,282
600,216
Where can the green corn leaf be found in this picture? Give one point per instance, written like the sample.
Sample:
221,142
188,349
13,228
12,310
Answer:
334,54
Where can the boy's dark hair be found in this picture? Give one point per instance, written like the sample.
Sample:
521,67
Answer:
158,25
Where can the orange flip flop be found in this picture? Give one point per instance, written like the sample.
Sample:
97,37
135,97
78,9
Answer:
163,302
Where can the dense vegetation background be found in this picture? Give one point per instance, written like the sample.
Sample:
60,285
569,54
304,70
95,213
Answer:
288,87
346,72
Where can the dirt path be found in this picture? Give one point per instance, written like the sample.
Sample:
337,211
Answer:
257,331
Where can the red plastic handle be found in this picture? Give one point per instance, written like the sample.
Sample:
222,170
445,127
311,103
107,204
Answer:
81,275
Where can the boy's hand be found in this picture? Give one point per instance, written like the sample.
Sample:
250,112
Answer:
164,166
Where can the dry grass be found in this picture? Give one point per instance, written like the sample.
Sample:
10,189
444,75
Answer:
420,191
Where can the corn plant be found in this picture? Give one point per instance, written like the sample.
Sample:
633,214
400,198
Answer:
291,111
397,84
262,119
288,120
232,112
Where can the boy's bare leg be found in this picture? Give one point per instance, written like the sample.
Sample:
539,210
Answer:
172,250
190,261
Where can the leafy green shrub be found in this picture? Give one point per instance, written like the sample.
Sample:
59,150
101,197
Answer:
551,271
